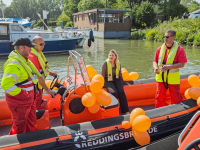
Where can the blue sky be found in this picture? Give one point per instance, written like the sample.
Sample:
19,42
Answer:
7,2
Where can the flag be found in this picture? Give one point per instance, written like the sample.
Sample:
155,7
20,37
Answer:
92,22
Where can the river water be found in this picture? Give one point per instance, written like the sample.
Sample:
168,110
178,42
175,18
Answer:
134,55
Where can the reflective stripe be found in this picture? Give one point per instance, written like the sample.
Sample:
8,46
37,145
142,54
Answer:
174,70
11,75
110,78
43,76
29,82
11,89
46,70
33,77
28,89
13,62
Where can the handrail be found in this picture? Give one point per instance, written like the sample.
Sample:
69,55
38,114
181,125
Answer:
187,127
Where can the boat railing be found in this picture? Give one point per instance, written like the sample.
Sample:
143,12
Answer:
79,65
187,127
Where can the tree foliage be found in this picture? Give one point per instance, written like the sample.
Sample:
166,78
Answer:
71,6
88,5
144,16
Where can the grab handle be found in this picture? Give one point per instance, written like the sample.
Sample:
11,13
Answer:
187,127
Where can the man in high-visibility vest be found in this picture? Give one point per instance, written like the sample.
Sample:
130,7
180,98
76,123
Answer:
38,59
168,59
19,80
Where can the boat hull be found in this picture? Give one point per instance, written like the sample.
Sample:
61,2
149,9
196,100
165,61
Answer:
105,133
51,47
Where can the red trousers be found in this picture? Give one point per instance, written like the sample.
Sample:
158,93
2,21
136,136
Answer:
24,118
174,90
39,99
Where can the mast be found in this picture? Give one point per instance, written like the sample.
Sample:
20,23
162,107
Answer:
2,8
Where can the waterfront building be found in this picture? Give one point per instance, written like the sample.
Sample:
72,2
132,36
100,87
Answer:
106,23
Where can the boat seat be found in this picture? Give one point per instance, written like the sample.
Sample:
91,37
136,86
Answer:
39,113
114,103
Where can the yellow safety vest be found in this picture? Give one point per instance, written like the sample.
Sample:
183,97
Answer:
173,76
17,70
44,64
109,70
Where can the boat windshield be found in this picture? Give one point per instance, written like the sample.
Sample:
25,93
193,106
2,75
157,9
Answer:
79,66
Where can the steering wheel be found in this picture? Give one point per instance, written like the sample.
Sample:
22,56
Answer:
53,82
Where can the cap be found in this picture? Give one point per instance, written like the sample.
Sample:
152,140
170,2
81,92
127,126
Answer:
23,41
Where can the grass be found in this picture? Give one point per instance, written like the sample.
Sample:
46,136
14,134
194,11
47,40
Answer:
187,31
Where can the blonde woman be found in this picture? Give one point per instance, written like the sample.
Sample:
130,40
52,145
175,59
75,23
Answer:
111,71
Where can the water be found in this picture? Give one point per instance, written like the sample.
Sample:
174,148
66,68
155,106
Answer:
134,55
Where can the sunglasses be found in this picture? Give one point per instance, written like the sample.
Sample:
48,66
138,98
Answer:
167,36
41,44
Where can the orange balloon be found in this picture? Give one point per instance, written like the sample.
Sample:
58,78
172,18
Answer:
100,78
92,74
123,69
94,108
126,124
198,101
90,69
48,82
193,80
95,86
133,76
125,75
88,99
142,138
187,96
194,92
136,112
141,123
95,72
103,98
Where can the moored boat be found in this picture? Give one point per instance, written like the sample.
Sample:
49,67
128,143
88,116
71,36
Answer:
77,128
55,42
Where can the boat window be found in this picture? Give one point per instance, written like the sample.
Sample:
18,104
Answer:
16,28
3,30
55,36
43,35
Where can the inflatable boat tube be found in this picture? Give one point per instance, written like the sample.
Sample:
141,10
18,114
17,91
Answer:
105,133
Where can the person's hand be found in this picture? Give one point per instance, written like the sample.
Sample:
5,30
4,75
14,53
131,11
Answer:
52,93
165,68
53,74
157,71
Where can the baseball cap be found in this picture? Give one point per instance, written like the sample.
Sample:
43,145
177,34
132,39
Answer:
23,41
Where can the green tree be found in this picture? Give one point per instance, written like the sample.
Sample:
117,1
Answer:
145,15
70,7
88,5
193,6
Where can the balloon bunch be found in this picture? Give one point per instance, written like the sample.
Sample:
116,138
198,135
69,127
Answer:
140,123
91,71
129,76
194,91
97,96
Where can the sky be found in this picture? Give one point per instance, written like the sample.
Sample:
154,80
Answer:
7,2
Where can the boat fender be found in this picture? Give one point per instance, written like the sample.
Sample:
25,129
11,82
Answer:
76,106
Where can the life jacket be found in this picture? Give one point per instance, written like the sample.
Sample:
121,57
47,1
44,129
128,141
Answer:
109,69
43,63
173,74
24,74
